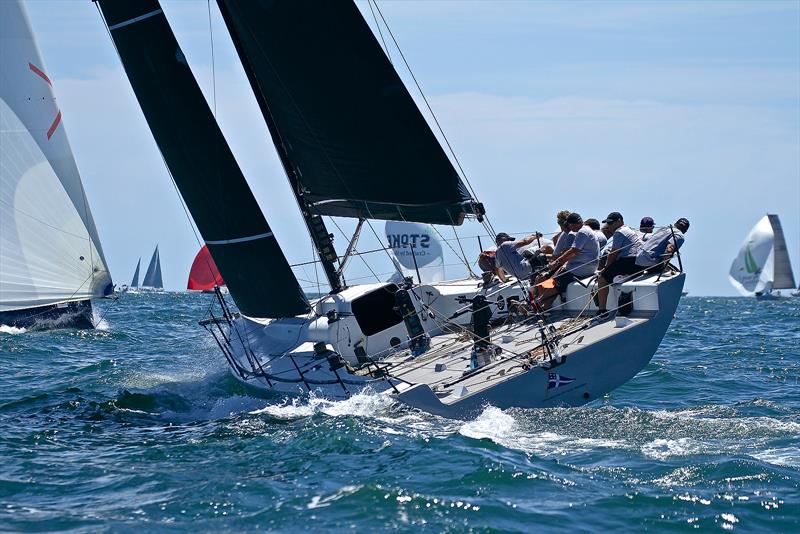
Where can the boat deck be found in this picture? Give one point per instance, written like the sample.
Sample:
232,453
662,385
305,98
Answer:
445,368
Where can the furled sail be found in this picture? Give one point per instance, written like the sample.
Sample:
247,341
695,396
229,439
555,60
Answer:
204,274
783,276
209,179
752,270
135,281
152,277
49,248
351,138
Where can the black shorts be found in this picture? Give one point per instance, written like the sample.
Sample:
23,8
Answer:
563,280
622,266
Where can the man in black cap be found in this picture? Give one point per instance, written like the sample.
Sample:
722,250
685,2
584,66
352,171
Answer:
510,259
578,261
626,244
646,227
657,251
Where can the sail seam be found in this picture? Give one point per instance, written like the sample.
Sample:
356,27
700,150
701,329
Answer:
239,239
134,19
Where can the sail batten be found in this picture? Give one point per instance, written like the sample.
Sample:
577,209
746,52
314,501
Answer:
210,181
347,129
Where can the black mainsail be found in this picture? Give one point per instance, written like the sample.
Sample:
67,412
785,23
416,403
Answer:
209,179
351,138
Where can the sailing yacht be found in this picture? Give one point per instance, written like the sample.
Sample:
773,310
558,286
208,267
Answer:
762,266
51,261
152,277
353,144
134,286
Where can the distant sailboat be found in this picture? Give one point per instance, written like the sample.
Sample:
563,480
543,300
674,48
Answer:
152,277
135,281
204,275
762,265
51,262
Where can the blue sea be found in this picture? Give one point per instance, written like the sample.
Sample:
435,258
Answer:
138,426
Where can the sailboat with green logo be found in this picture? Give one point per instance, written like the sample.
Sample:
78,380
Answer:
762,266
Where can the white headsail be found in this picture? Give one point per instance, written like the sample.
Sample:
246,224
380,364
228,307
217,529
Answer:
410,241
49,248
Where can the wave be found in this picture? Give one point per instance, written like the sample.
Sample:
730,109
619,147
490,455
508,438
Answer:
5,329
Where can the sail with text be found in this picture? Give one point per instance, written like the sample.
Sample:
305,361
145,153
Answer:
351,139
50,250
208,177
417,250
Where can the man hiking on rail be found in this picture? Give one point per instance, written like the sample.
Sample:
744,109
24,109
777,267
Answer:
626,244
657,250
578,261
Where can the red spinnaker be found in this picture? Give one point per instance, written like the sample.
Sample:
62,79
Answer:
204,274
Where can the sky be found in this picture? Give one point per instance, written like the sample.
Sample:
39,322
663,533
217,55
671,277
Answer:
665,109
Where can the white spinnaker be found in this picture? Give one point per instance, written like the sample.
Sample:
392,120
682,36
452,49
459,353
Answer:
411,241
49,248
752,270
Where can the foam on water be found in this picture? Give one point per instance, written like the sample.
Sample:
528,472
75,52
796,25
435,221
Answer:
142,424
787,456
493,423
5,329
364,404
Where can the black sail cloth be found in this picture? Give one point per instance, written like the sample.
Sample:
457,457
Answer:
209,179
339,113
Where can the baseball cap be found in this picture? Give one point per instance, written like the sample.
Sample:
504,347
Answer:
502,237
647,222
614,216
683,221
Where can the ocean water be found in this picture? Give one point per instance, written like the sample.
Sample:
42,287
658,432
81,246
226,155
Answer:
138,426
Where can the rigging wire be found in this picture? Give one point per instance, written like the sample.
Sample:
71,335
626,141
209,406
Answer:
163,159
380,32
463,255
355,251
425,99
213,64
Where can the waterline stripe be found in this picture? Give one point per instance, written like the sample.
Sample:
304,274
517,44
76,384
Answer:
239,239
134,19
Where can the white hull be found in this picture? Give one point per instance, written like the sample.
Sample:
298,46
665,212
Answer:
592,359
